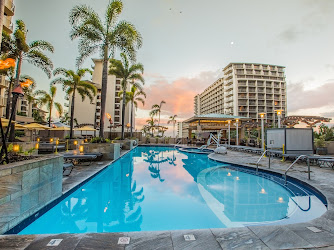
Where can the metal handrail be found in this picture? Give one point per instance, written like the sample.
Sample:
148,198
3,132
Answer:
179,142
257,164
299,157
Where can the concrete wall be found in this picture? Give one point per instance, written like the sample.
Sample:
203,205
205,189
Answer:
330,147
110,151
26,187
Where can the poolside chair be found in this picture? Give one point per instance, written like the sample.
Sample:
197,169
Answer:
67,168
326,162
79,158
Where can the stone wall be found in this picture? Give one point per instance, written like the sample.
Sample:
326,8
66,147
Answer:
26,187
330,147
110,151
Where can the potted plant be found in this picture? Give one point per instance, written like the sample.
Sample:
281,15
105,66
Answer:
320,145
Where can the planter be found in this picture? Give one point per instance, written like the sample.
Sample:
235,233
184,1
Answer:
110,151
321,151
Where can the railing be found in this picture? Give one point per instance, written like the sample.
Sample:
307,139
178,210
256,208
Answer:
179,142
257,164
308,166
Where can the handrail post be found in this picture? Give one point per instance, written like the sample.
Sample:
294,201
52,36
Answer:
309,168
269,160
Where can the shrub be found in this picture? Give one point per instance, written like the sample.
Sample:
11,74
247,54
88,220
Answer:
19,133
99,140
320,142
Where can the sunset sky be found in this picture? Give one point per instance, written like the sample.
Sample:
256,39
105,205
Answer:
188,42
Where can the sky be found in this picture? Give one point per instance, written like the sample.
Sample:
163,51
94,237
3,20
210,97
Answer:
187,43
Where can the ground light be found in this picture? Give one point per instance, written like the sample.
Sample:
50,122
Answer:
262,115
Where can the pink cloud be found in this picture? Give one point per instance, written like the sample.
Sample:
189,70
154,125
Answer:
179,94
299,98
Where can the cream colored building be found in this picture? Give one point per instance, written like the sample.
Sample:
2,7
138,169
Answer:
87,112
6,17
246,90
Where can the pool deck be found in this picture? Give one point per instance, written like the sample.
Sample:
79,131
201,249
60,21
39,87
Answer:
294,236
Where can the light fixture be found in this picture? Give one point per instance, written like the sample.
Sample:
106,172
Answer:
16,148
280,200
38,139
81,148
57,142
127,175
37,146
229,174
51,140
263,191
237,178
75,143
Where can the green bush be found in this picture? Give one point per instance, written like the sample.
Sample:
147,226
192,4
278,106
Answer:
19,133
99,140
320,142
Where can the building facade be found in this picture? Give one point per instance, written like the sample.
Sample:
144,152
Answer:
247,89
87,112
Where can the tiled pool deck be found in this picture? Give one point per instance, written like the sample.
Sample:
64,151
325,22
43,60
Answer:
294,236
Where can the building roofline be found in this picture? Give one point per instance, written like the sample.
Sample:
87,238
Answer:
253,63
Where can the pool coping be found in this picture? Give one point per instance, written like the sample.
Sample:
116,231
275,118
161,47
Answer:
272,237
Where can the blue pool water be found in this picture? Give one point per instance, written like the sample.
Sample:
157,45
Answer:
160,188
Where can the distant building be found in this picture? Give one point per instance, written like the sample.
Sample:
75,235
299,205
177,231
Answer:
246,90
87,112
6,16
182,130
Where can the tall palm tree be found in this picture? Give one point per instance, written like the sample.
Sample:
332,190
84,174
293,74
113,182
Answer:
156,110
128,73
173,121
32,52
104,37
72,83
45,98
133,96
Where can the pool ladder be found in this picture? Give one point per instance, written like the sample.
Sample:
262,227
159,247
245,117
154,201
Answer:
298,158
286,171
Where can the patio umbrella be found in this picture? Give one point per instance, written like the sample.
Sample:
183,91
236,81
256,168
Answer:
17,126
36,126
60,129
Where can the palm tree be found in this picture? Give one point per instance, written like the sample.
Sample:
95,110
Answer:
72,83
128,73
104,37
45,98
156,110
173,121
33,53
151,124
133,96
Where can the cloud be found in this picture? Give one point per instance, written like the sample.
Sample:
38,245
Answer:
328,114
178,94
299,98
317,17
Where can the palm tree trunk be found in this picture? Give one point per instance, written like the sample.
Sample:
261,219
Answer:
17,82
123,110
50,114
104,91
2,17
72,112
9,97
131,119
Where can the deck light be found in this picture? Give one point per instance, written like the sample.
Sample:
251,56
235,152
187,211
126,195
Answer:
237,129
38,139
51,140
279,113
75,143
81,148
262,115
37,146
16,148
263,191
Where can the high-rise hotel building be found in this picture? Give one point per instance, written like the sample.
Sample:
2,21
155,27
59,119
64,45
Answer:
247,89
87,112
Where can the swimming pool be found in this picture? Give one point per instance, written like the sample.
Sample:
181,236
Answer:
160,188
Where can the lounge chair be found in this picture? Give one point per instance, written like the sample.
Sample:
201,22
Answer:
67,168
326,162
77,159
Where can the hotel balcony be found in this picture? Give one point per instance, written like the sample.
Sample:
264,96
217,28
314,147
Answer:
7,25
9,8
3,82
3,101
